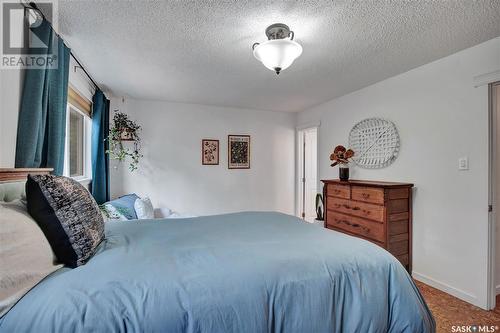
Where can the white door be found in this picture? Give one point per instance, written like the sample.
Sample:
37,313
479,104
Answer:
308,173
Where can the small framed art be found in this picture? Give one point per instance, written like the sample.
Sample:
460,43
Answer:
209,152
238,151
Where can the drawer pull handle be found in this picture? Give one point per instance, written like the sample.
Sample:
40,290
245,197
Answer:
355,225
349,207
365,195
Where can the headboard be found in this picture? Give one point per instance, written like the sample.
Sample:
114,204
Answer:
12,181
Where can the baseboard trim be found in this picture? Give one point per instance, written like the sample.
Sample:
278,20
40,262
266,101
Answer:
469,298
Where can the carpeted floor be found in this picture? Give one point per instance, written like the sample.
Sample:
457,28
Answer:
450,311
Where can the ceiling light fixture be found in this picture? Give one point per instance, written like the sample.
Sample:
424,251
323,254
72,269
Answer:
280,50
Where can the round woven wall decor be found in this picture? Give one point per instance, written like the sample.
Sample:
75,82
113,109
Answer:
375,143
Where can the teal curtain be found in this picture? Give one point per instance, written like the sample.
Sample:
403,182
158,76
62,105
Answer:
100,160
41,128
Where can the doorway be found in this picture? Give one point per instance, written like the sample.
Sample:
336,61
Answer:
495,190
307,166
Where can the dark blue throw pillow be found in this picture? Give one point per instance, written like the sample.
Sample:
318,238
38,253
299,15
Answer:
68,216
125,205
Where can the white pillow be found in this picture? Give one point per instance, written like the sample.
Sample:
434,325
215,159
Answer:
144,208
162,212
25,254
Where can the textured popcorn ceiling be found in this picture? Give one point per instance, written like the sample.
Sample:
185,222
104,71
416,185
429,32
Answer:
200,51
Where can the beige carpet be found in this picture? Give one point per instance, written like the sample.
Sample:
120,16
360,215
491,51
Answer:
449,311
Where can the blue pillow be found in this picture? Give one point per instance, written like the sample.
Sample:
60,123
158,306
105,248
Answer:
125,205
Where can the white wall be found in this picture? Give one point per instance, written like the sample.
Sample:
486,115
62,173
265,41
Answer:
440,117
171,172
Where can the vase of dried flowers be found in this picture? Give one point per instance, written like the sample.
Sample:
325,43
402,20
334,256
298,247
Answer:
341,157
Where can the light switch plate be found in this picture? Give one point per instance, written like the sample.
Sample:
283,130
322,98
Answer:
463,163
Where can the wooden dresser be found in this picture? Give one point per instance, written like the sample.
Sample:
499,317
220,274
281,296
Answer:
376,211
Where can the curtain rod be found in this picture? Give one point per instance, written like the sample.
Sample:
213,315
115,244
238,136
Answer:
84,70
33,6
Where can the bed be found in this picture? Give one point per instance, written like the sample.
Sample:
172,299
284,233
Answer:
242,272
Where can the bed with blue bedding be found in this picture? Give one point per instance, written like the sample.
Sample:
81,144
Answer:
243,272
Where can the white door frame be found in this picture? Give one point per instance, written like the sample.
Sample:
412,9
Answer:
493,161
491,79
299,161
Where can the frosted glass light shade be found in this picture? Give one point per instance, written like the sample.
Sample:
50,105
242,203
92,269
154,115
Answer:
277,54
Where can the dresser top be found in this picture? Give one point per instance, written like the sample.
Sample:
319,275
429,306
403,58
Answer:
372,183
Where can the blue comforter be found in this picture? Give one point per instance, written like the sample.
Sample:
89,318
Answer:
244,272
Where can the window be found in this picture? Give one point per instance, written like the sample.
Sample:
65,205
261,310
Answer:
76,143
77,163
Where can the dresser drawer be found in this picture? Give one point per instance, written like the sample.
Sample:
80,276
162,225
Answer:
382,245
356,208
339,191
398,248
356,225
368,194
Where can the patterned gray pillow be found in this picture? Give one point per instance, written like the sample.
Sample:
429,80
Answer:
68,216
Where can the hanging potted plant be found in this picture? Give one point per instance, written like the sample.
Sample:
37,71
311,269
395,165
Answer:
341,157
124,130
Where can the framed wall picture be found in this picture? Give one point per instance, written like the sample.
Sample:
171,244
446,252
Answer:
209,152
238,151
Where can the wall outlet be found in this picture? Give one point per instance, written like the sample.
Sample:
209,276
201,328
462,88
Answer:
463,163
